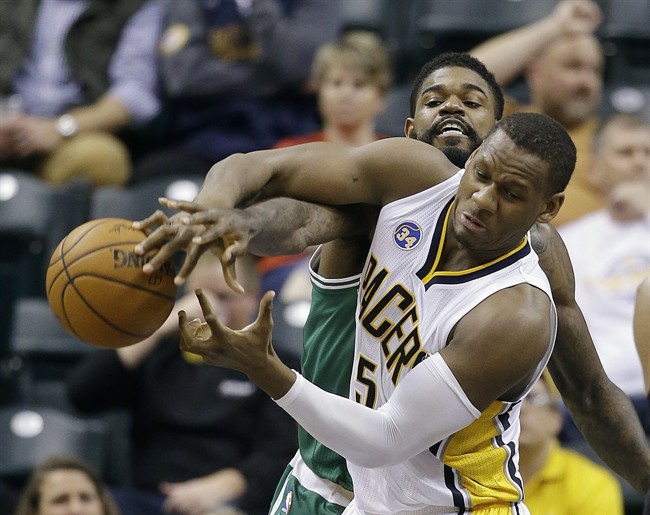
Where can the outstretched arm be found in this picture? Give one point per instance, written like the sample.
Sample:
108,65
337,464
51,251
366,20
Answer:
327,173
404,426
602,412
276,227
507,55
413,418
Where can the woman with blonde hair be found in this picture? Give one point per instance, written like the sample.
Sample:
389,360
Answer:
63,485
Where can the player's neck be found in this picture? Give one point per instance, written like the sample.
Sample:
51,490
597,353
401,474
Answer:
457,256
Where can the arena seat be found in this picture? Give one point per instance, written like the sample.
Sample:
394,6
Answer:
32,433
34,218
626,38
391,120
458,25
138,201
41,353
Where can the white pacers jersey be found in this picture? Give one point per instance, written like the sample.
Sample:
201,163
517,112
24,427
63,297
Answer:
406,311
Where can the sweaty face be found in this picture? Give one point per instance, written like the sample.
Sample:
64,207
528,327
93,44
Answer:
500,196
69,492
454,112
566,82
347,99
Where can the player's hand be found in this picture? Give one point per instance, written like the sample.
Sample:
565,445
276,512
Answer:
577,16
226,232
233,227
167,237
248,350
179,234
219,345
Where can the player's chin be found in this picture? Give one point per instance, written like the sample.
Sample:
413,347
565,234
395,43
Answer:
457,154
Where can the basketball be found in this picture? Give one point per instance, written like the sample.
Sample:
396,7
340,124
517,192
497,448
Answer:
96,287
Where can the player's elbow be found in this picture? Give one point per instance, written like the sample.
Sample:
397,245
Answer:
384,450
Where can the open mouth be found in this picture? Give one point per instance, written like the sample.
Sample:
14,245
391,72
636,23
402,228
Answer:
451,127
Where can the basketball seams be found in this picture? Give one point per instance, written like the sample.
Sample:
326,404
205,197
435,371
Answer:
97,262
124,283
65,311
81,237
65,264
93,310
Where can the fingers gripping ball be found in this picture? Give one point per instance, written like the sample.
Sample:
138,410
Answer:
97,289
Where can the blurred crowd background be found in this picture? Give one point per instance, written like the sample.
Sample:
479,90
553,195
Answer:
105,106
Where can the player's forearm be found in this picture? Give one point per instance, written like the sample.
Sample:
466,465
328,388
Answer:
286,226
602,412
612,428
326,173
410,422
274,378
232,181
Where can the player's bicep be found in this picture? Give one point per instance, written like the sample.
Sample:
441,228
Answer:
496,347
376,173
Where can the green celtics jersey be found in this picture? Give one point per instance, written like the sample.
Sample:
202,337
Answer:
327,356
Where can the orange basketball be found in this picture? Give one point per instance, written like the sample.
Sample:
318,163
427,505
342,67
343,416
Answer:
97,289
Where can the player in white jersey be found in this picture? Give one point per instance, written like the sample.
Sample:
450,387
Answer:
494,351
410,307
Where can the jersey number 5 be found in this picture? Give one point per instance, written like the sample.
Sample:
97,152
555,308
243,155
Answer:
365,369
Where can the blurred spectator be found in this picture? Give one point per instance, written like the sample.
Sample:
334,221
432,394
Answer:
352,77
203,438
610,249
65,486
642,330
558,480
563,64
73,76
234,73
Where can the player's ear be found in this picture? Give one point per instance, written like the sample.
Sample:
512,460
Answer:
551,208
408,128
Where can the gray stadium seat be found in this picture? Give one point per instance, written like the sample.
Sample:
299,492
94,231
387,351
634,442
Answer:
40,357
484,18
34,218
30,434
138,201
391,119
626,36
41,353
